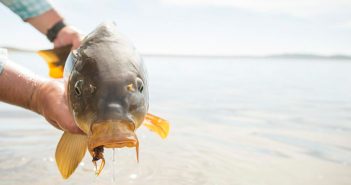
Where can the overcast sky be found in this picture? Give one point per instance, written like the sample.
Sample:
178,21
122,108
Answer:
211,27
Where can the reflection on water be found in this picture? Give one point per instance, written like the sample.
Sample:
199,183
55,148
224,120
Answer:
234,121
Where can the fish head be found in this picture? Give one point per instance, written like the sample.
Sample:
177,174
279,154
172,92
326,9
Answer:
119,110
107,89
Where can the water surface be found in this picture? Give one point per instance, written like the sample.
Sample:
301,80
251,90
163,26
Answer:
234,121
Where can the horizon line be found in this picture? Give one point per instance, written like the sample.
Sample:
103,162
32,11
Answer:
291,55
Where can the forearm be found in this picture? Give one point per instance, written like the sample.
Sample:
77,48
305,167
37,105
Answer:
18,86
27,8
42,16
66,36
45,21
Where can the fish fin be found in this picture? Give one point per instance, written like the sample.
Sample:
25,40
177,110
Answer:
157,124
69,152
56,59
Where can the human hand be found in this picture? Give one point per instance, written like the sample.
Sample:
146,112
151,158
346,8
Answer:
49,99
68,36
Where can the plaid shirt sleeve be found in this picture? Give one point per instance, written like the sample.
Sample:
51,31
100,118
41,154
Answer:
27,8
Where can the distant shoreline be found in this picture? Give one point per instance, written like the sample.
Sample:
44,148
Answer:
274,56
278,56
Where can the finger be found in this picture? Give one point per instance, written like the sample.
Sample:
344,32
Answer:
76,130
54,123
69,125
76,42
57,43
75,45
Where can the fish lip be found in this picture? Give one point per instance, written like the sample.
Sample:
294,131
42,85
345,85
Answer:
108,142
112,134
112,144
130,122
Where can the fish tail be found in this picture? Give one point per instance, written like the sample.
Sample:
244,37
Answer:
69,152
56,59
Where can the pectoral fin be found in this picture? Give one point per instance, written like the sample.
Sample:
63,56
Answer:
157,125
69,152
56,59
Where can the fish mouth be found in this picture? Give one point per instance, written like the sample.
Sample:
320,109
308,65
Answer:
112,134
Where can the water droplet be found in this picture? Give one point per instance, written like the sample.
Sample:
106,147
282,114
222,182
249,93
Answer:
113,166
133,176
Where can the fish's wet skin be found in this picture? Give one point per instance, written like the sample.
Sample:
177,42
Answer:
107,92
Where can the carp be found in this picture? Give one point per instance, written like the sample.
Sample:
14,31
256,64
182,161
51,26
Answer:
107,93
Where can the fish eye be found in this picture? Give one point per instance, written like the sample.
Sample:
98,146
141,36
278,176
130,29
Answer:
77,87
141,88
140,85
77,91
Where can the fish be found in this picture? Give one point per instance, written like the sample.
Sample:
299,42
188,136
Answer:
106,87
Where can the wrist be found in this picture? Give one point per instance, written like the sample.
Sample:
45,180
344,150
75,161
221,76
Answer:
45,21
34,101
54,31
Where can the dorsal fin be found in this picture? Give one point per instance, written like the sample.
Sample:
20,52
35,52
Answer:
56,59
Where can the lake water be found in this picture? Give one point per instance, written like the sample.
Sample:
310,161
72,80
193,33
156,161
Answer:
233,122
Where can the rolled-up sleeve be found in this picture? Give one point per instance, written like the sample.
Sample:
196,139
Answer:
27,8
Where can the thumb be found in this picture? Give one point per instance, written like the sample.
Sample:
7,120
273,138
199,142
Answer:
68,124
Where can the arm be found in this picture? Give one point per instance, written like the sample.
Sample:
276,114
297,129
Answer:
41,15
22,88
66,36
